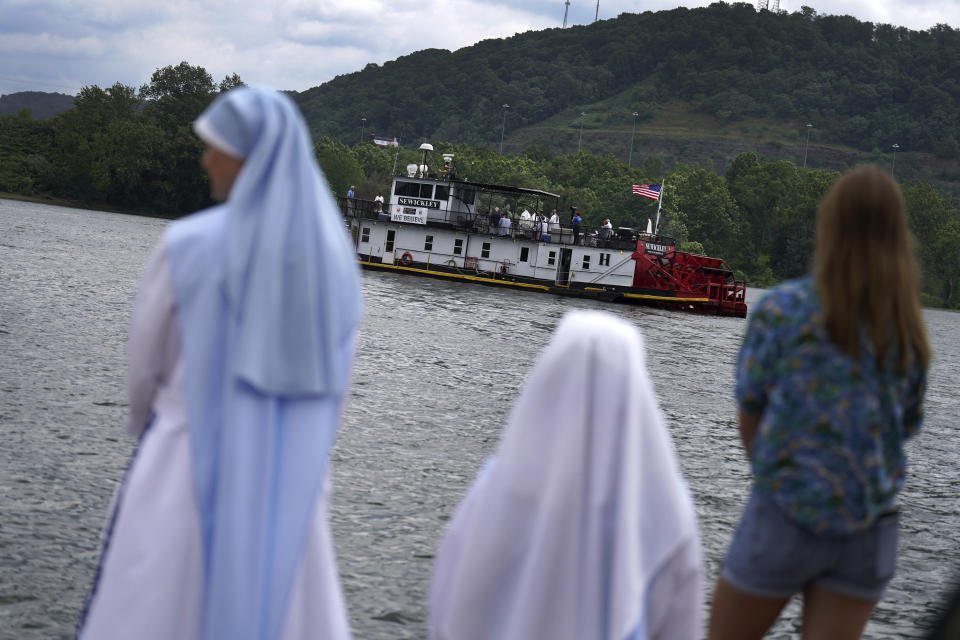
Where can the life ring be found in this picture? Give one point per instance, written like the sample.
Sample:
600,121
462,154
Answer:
452,263
406,259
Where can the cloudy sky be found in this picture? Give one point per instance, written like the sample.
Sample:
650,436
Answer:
63,45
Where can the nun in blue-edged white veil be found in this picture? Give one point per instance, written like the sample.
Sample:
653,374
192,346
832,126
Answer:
581,525
241,342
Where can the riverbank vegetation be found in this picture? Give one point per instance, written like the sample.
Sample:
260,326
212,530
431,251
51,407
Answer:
758,215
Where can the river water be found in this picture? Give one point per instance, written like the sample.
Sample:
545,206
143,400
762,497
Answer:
438,365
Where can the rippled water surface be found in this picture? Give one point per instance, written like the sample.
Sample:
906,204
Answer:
438,365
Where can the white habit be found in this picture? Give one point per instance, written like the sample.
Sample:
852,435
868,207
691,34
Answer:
581,527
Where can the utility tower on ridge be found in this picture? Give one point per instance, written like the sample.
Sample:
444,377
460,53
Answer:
763,4
565,10
776,6
597,12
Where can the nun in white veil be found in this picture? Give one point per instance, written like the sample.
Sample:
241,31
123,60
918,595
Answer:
581,526
241,342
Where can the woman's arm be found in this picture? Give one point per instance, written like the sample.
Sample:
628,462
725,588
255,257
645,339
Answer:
150,323
748,424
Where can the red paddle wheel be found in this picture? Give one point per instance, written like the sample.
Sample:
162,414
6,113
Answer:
694,282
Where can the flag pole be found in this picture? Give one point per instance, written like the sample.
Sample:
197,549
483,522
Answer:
656,226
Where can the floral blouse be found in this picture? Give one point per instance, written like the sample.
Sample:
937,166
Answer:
829,446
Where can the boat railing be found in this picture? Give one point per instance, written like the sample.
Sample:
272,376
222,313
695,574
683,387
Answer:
357,208
480,223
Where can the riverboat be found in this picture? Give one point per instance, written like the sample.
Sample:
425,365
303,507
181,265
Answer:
436,224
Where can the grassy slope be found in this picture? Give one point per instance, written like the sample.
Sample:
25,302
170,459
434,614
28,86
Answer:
678,133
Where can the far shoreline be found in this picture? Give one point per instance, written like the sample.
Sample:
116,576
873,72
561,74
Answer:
76,204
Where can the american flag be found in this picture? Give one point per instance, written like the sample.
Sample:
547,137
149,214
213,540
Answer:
651,191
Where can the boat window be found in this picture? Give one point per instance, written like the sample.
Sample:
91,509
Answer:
485,250
552,257
586,263
458,246
524,253
391,234
604,260
409,189
365,235
466,196
443,192
428,243
426,190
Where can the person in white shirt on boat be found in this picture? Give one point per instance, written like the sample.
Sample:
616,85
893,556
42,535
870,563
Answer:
241,342
541,227
505,224
606,231
581,525
526,222
554,222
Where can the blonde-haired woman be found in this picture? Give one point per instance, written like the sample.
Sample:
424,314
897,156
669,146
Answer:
830,382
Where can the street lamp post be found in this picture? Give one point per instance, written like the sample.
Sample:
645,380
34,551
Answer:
395,156
806,145
632,135
893,166
580,139
503,126
363,123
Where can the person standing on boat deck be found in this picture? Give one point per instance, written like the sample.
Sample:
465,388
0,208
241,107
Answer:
241,342
606,231
575,221
378,207
554,222
541,228
526,223
830,384
581,525
505,224
350,202
495,221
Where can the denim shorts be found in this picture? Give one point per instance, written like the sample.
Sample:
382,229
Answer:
771,556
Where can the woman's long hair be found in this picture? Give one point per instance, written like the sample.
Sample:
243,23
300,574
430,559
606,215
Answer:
864,268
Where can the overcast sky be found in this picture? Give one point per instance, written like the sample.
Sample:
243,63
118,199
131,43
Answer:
63,45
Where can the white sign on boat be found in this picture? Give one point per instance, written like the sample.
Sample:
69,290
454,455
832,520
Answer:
408,214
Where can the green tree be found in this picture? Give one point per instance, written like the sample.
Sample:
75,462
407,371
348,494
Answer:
26,155
340,166
709,212
175,97
178,94
794,241
934,222
231,81
760,193
89,140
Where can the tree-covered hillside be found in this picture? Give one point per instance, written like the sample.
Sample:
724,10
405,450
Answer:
860,85
118,147
40,104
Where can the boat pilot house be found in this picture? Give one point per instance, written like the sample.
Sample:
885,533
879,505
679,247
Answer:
435,224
